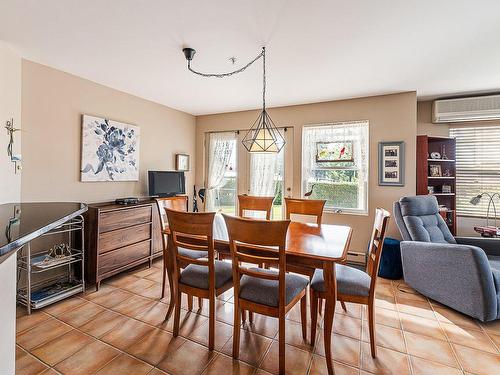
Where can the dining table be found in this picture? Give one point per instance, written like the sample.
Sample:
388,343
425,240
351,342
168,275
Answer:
308,247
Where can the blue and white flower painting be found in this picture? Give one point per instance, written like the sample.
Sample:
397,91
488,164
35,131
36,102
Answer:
110,150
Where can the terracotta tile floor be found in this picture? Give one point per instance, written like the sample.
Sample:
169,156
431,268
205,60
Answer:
120,330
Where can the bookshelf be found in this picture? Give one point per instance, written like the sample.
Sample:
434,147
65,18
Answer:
437,176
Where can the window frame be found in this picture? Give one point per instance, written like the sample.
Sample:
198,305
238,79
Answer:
340,210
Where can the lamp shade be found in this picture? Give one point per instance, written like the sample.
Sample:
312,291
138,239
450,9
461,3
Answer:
263,136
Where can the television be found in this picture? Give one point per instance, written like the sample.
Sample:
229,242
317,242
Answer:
166,183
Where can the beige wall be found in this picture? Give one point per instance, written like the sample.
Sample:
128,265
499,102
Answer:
391,117
52,105
465,225
10,191
10,107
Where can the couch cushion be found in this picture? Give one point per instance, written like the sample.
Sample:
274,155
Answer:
350,281
266,292
197,276
193,254
423,221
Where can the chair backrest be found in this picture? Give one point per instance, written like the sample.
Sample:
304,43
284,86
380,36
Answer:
193,231
376,245
418,219
312,207
179,203
252,203
257,242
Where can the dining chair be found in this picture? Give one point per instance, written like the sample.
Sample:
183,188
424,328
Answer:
354,285
203,278
252,203
267,292
178,203
310,207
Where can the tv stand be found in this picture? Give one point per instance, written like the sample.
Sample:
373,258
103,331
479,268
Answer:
120,237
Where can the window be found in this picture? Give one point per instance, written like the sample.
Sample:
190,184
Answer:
335,165
221,173
477,167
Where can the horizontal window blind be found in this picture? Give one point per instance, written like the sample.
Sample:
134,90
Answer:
477,167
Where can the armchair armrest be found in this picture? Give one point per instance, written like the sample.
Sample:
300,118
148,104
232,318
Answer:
456,275
491,246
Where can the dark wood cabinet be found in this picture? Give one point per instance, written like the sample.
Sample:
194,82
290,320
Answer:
437,175
119,237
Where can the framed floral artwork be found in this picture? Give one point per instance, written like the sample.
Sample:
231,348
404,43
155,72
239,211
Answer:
110,150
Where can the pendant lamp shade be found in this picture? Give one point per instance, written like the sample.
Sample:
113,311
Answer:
263,136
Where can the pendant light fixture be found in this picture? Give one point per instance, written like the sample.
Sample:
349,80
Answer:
263,136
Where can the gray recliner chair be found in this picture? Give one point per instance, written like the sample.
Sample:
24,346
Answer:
460,272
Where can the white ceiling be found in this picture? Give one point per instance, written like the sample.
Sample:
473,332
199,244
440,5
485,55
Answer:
316,50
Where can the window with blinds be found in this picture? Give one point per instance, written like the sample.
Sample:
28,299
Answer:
477,167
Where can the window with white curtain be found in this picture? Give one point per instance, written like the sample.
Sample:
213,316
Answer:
335,165
477,167
221,173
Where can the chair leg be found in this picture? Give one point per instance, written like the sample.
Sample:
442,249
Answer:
163,281
236,329
250,316
177,314
211,324
320,306
243,316
327,333
190,302
371,326
342,303
314,316
281,345
200,302
303,316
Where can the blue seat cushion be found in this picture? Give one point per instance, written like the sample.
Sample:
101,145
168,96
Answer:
266,292
197,276
350,281
193,254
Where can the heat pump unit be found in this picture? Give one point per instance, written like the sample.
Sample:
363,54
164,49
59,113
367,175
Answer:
477,108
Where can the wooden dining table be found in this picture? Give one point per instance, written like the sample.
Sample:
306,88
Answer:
308,247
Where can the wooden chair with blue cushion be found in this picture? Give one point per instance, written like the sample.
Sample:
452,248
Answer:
354,285
177,203
203,278
267,292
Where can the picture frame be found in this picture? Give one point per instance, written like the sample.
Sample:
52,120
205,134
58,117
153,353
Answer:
331,152
391,157
182,162
110,150
435,170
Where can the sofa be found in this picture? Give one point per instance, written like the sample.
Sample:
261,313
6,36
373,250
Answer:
460,272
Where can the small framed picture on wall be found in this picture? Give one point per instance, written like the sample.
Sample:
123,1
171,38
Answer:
391,163
182,162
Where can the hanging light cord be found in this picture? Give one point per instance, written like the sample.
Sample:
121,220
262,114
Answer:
222,75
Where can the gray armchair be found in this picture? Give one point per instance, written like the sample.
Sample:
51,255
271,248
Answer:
460,272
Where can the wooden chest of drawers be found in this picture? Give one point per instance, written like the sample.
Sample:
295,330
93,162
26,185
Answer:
120,237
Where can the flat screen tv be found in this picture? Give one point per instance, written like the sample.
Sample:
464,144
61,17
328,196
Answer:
166,183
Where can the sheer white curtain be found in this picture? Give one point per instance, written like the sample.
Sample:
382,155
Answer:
263,170
220,148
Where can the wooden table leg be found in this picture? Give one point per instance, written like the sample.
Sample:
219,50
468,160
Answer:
169,268
330,300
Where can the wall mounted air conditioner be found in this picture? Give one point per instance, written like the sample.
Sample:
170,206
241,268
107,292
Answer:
477,108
